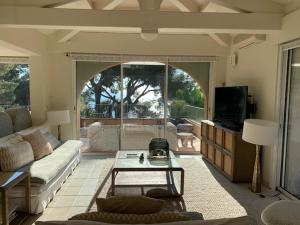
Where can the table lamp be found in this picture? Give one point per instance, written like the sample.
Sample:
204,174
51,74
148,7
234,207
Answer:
260,133
58,118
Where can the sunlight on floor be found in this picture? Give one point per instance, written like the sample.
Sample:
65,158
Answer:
77,193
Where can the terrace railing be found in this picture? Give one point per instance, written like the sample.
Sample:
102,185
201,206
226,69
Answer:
194,113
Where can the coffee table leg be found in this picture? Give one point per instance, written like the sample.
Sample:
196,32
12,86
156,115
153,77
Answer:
28,195
182,182
5,216
113,183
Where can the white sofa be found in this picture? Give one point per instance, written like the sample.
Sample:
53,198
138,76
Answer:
133,137
47,174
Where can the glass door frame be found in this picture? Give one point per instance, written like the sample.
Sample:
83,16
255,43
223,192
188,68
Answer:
163,60
283,86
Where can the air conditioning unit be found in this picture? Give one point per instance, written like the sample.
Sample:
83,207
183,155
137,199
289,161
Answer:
245,41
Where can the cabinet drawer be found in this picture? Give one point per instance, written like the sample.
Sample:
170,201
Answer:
204,128
204,148
227,166
211,153
211,133
229,141
219,136
218,158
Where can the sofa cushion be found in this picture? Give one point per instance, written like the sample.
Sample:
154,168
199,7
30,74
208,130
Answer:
10,139
15,156
129,204
21,118
52,140
45,169
39,144
43,128
5,124
116,218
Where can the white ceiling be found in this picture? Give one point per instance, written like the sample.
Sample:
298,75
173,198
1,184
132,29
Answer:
195,6
7,51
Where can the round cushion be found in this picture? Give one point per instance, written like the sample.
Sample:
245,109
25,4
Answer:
284,212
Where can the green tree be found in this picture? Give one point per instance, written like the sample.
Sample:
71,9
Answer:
178,109
14,84
183,87
138,81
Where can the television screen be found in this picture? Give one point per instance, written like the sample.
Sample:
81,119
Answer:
231,105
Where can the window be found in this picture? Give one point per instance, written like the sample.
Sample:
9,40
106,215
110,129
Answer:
14,86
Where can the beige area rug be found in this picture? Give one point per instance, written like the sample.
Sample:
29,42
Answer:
206,191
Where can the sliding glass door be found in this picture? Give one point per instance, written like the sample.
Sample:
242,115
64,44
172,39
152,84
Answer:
123,104
143,104
290,174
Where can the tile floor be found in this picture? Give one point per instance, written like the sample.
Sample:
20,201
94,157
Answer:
76,194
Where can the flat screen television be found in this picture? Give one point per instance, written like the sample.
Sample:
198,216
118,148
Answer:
231,106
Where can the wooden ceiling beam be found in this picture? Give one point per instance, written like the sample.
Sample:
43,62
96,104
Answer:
256,6
58,4
30,17
185,5
65,35
222,39
106,4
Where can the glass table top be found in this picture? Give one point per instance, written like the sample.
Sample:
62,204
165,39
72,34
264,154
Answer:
130,160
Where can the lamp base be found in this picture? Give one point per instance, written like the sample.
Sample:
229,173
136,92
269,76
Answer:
59,132
256,180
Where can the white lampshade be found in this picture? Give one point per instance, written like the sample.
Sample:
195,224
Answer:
58,117
259,132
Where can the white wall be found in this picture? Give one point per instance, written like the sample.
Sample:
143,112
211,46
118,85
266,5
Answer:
258,68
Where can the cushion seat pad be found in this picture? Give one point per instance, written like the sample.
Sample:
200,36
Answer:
45,169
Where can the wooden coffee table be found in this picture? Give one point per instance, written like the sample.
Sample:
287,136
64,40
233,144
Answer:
128,164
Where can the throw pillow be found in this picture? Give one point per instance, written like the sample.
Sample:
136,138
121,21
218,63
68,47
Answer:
39,144
129,204
15,156
52,140
117,218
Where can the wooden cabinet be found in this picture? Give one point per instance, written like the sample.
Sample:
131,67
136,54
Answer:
226,150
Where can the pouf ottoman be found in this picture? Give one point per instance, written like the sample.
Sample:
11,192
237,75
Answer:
284,212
